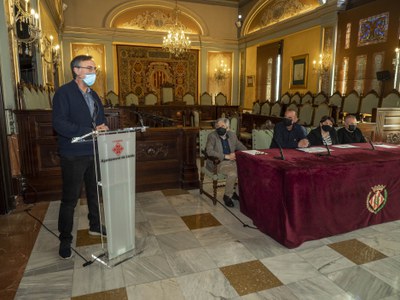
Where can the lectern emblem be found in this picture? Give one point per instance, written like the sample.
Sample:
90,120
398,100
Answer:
118,149
376,198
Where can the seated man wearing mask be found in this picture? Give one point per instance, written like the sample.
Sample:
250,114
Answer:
222,144
350,133
325,134
289,134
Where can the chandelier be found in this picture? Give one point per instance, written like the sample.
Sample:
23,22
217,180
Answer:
221,72
26,26
50,52
322,66
176,42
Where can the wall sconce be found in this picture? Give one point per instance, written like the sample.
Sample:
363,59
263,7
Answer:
26,26
323,65
50,52
221,72
239,23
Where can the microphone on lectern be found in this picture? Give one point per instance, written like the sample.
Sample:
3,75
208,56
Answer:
281,157
140,118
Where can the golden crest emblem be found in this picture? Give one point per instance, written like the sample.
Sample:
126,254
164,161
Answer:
377,198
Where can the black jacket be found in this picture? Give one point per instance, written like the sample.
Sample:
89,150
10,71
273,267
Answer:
315,137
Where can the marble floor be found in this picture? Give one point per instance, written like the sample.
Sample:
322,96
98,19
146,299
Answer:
194,250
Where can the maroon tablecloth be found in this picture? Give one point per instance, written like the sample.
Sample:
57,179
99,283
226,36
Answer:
307,197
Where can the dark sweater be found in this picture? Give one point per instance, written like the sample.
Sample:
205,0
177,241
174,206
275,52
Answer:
286,138
71,118
347,137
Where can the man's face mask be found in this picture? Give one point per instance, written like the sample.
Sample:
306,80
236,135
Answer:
326,127
89,79
221,131
352,127
287,122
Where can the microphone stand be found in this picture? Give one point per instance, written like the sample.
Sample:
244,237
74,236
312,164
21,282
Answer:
281,157
370,142
328,151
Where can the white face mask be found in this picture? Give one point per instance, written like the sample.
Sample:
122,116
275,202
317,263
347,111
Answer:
89,79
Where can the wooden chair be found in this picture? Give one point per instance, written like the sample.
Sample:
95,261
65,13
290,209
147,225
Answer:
234,124
296,98
294,107
306,112
321,97
220,99
205,99
307,98
167,93
368,103
131,99
322,110
336,99
261,138
213,174
276,109
256,108
266,109
150,99
285,99
112,98
188,98
351,103
391,100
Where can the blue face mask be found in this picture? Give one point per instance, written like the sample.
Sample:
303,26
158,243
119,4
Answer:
89,79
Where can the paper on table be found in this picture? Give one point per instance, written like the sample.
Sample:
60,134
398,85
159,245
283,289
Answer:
313,149
345,146
254,152
385,146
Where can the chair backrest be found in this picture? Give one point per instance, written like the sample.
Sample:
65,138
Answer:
308,97
265,109
285,99
336,100
205,99
256,108
322,110
369,102
261,138
294,107
276,109
188,98
351,103
167,93
150,99
234,124
131,99
320,98
306,114
112,98
220,99
391,100
295,98
203,135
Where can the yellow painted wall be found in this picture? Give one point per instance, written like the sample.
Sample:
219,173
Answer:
251,64
305,42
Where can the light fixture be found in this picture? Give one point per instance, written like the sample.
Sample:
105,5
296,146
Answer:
49,51
221,72
26,26
176,42
238,23
323,65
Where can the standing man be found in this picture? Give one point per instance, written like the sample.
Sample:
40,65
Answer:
77,110
350,133
288,133
222,143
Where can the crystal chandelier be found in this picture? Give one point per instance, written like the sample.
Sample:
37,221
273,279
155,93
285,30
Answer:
176,42
222,72
26,26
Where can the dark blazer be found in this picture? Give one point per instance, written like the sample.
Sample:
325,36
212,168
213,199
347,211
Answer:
71,118
315,137
214,146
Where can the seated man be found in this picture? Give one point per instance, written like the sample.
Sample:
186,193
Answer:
222,144
350,133
289,134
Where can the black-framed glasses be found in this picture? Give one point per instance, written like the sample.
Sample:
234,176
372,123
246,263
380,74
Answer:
90,68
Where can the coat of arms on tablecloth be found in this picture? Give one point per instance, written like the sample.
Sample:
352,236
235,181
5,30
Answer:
376,198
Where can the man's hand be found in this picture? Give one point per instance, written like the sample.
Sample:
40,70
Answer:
102,127
230,156
304,143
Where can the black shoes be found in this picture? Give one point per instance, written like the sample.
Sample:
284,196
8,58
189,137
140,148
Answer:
97,232
65,250
228,201
235,197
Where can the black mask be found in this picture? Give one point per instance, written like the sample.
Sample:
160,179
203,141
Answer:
287,122
352,127
221,131
326,128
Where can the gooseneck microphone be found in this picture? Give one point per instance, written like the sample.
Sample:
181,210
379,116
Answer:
328,151
370,142
140,117
281,157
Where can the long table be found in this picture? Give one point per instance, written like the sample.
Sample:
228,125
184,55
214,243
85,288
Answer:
307,197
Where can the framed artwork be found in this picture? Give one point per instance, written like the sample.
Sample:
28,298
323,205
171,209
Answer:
299,71
250,81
